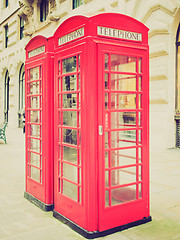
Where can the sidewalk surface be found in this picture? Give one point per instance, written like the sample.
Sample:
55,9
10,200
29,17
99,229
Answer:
21,220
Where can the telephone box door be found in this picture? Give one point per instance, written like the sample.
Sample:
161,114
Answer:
68,127
123,135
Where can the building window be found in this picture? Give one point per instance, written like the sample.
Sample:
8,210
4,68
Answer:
21,27
44,9
177,116
6,96
21,106
6,3
77,3
6,36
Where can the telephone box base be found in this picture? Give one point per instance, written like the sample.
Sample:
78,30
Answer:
96,234
37,202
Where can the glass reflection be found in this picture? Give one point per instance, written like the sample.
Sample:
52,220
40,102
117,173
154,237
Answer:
123,101
35,102
70,172
34,73
34,131
70,100
70,136
35,174
124,194
34,88
70,154
70,118
123,176
69,65
35,116
70,190
123,119
123,157
123,138
35,159
123,63
70,83
123,82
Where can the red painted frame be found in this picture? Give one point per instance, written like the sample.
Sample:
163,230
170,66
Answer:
89,211
41,190
92,214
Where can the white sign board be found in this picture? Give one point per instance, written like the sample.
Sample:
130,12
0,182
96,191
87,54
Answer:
120,34
71,36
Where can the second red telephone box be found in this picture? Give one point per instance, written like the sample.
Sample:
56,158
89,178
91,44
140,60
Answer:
101,123
39,122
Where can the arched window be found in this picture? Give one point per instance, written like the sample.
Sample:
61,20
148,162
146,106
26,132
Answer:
6,96
21,94
44,9
177,117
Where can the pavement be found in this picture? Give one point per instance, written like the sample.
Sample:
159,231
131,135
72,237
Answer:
21,220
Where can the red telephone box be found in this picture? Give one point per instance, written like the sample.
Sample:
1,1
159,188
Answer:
101,123
39,122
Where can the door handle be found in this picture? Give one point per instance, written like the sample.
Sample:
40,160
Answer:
100,130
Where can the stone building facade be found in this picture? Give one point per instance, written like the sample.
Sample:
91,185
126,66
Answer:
21,20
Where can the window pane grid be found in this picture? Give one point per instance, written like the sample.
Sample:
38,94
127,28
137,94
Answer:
121,86
69,127
34,123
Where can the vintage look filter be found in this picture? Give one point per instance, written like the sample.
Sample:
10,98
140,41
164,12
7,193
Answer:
100,123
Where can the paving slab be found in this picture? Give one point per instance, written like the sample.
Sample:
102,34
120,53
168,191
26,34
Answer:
21,220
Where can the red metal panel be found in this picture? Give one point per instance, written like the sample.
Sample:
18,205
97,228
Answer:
39,120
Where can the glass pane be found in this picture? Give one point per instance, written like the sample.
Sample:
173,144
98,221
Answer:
59,84
140,83
123,82
70,100
124,194
79,62
34,73
34,88
107,198
107,135
34,102
79,83
140,173
70,136
35,116
106,80
35,159
35,145
35,174
34,131
123,101
106,61
123,176
106,159
140,190
123,138
178,81
69,65
106,101
70,172
140,65
70,154
140,154
123,119
106,178
70,83
70,118
123,157
70,190
123,63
